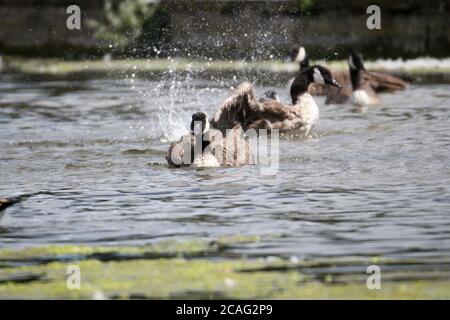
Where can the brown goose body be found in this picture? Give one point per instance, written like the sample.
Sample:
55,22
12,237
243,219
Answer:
223,140
300,116
379,81
232,149
348,95
244,108
359,92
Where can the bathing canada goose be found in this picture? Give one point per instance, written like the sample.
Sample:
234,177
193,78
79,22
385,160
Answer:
222,142
208,147
243,107
379,81
360,92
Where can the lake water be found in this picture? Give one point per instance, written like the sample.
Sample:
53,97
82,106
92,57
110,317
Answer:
373,182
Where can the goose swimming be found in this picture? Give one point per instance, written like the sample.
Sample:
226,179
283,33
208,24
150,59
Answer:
378,81
299,55
243,107
360,92
204,146
221,141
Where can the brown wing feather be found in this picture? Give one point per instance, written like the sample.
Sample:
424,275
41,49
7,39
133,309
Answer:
233,149
230,150
384,82
236,108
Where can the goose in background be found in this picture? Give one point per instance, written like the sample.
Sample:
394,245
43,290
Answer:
207,147
360,92
298,55
244,109
363,92
379,81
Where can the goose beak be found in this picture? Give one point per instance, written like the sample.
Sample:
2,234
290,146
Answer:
336,84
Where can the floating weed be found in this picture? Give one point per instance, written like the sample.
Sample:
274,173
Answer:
189,269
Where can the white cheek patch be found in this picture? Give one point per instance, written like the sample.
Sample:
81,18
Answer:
318,78
351,63
206,126
301,55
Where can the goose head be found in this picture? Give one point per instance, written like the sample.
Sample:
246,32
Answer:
298,55
314,74
321,75
356,65
356,61
200,123
199,130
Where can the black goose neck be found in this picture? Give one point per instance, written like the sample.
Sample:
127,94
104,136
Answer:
300,84
355,77
304,64
205,144
203,139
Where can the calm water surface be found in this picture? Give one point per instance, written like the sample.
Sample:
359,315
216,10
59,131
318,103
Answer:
375,182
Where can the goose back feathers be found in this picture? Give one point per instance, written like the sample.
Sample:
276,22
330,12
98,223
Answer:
244,108
360,91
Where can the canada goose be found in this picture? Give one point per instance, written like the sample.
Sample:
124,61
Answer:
299,55
207,147
363,92
379,81
360,93
243,107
